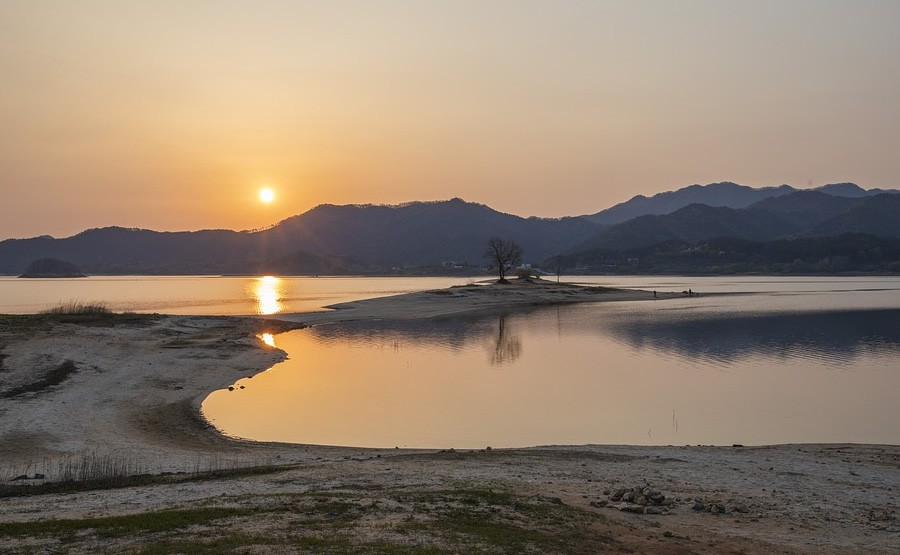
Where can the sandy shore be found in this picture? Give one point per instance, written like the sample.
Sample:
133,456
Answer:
129,390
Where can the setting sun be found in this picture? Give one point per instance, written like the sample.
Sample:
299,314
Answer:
266,195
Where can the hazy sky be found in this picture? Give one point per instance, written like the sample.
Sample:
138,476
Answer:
171,115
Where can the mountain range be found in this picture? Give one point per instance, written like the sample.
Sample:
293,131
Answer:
439,236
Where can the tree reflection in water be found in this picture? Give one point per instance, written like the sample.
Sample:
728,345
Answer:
506,346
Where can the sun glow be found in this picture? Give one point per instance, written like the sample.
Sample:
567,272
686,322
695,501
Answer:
266,195
268,293
268,339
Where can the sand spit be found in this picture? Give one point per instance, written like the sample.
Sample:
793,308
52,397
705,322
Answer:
126,392
472,299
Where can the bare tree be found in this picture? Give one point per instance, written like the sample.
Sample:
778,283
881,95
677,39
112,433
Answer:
503,254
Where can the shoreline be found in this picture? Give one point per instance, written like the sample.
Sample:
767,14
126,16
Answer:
136,384
132,388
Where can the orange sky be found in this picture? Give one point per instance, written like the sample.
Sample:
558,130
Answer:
172,115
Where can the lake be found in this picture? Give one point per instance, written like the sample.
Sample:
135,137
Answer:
752,360
206,294
774,361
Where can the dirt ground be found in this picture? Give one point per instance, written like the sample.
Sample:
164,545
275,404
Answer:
103,450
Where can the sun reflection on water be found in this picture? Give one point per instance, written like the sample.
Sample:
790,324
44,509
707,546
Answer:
268,339
268,293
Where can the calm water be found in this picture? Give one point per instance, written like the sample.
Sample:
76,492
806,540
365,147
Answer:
793,360
775,360
205,294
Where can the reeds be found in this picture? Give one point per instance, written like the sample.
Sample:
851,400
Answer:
102,470
96,471
84,471
78,308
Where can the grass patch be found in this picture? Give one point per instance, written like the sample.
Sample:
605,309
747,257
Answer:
120,526
382,522
334,545
123,474
92,314
12,324
78,308
501,522
215,546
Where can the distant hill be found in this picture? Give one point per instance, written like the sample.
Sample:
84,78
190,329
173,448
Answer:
798,214
726,194
327,239
847,253
878,215
451,235
421,233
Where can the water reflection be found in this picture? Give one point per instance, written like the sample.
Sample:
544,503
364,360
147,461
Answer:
268,292
449,333
497,334
507,346
583,374
720,338
268,339
832,338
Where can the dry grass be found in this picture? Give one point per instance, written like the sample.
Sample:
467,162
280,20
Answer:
78,308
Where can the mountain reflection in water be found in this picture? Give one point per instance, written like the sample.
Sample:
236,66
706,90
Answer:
832,337
707,371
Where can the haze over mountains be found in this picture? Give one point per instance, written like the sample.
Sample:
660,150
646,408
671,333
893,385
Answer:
436,236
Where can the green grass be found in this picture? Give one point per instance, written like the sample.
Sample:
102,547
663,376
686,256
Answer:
501,522
85,315
304,544
383,522
20,323
120,526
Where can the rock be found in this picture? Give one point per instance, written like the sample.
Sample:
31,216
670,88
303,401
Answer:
599,504
698,505
618,494
628,496
654,511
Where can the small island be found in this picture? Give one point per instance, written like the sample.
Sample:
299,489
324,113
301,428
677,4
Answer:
52,268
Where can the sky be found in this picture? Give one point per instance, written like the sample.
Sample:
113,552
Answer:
172,115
